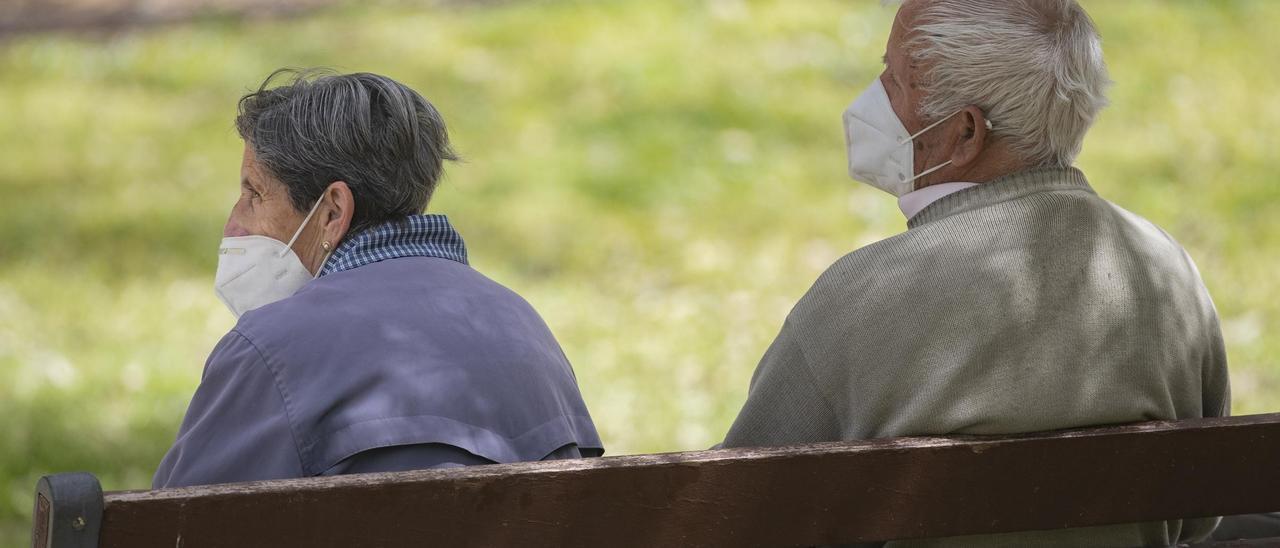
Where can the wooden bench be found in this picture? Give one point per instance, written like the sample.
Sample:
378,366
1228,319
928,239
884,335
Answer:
814,494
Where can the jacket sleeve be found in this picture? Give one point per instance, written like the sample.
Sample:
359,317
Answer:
237,426
400,458
784,406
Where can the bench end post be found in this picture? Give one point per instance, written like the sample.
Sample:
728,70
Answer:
68,511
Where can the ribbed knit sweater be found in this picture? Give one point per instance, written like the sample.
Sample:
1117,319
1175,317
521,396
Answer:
1024,304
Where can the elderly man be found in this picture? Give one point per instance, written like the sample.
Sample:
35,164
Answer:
1018,299
365,342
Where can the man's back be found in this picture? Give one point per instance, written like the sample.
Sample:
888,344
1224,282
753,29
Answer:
1025,304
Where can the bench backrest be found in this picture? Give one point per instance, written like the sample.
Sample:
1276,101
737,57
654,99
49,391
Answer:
814,494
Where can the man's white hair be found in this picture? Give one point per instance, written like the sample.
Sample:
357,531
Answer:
1035,68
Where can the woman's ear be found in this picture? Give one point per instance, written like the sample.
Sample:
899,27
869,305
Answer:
336,217
972,138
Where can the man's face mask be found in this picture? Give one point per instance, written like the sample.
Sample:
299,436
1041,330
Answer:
880,151
255,271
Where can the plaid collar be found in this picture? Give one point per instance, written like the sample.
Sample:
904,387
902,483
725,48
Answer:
413,236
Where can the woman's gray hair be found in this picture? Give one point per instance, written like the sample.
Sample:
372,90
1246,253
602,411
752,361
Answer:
378,135
1035,68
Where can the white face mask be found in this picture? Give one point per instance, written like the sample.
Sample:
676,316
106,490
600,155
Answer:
880,151
254,271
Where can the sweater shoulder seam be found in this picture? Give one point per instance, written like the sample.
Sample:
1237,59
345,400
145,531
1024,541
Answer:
812,378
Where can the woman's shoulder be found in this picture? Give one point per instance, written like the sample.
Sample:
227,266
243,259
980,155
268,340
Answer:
426,296
418,352
420,277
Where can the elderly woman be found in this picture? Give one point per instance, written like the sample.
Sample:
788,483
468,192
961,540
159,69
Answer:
365,342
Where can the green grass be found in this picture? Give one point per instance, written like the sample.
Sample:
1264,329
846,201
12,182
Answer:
662,180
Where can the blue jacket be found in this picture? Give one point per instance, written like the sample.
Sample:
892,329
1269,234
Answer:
412,362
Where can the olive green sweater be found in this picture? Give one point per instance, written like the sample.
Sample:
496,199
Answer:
1024,304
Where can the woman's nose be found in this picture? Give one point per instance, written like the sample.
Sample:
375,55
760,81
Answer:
233,229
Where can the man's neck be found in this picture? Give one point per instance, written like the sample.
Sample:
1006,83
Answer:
988,167
914,202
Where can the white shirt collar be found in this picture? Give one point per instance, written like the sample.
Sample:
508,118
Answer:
914,202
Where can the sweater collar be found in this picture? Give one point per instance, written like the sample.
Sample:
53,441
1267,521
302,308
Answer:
914,202
1002,189
413,236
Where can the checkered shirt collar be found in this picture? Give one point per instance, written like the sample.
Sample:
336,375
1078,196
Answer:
413,236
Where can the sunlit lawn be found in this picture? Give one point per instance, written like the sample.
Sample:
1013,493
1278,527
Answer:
661,179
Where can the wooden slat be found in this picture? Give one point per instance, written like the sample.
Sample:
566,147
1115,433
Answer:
1246,543
825,493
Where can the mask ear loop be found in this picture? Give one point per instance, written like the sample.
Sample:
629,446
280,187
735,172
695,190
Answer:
936,124
931,126
944,164
327,255
930,170
289,246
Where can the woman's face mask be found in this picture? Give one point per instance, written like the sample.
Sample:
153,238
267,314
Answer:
255,271
880,151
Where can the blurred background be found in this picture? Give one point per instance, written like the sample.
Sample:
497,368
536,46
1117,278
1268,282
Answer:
661,179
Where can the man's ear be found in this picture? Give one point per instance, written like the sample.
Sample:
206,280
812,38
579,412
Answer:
971,138
340,207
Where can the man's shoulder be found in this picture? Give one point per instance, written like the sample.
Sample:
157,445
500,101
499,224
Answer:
886,269
994,249
1139,227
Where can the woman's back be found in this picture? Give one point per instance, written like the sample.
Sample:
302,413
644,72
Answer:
414,352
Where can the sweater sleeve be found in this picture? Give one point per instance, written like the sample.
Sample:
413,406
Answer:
784,406
1216,383
237,427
